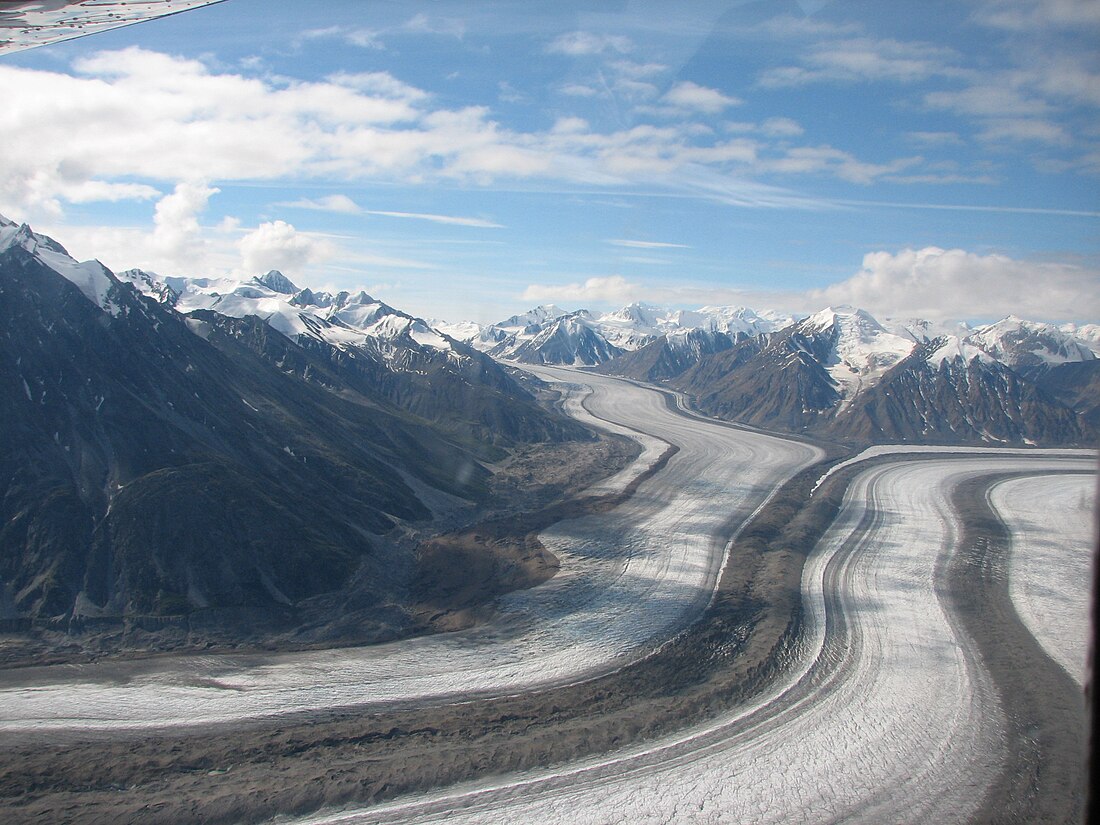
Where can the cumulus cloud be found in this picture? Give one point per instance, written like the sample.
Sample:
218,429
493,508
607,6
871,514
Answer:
938,283
177,245
278,245
177,236
692,96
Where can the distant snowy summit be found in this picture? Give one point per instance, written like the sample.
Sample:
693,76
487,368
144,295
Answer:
839,372
865,345
550,335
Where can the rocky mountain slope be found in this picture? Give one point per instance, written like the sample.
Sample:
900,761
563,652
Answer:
232,467
374,348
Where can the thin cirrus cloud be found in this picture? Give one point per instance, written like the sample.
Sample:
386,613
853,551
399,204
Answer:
863,59
582,43
450,220
345,205
615,290
328,203
646,244
1023,15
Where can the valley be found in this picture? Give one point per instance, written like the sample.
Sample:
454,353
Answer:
564,413
840,638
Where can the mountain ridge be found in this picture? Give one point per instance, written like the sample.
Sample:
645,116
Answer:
160,465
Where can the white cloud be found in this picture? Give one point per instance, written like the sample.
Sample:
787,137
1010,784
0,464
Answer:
630,68
278,245
615,290
987,100
450,220
786,26
862,60
1031,130
177,245
578,90
1023,15
328,203
610,289
938,283
569,126
647,244
423,24
177,236
781,127
365,39
148,118
688,95
576,44
95,190
935,138
634,89
803,160
382,84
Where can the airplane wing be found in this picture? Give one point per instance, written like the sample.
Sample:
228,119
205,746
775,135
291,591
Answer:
25,24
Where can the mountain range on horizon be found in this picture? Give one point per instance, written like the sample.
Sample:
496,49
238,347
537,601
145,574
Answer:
817,374
838,373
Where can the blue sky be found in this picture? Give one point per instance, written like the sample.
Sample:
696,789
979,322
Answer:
468,160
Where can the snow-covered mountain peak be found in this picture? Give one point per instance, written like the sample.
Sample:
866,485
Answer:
737,320
92,277
922,330
861,349
1087,334
277,282
1021,343
149,283
538,315
952,347
848,321
638,313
